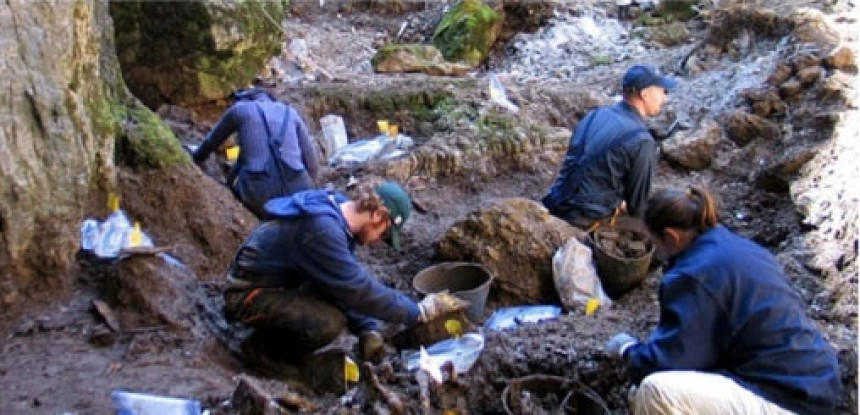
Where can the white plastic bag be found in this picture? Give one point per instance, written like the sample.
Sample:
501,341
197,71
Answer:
574,275
360,152
463,352
133,403
108,238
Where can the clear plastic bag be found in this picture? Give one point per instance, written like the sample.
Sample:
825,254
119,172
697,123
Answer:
498,95
108,238
575,277
463,352
362,151
510,317
334,133
132,403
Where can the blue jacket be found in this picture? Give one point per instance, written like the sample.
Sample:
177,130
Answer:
309,241
610,159
727,307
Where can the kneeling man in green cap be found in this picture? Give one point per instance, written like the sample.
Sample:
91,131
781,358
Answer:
297,282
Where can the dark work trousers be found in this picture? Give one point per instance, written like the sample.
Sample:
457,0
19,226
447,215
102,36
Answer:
288,323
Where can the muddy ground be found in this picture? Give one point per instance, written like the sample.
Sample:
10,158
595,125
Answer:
62,358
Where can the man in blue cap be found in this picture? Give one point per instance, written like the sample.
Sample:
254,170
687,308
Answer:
297,282
610,159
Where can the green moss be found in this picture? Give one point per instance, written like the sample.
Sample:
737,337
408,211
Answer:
425,53
149,142
467,32
599,60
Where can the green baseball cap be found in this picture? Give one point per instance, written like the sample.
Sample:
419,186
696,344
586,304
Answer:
398,204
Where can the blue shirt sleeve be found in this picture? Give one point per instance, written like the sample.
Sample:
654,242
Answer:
327,261
686,336
227,125
637,181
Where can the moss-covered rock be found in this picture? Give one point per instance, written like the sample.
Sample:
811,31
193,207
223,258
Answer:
147,142
191,52
467,32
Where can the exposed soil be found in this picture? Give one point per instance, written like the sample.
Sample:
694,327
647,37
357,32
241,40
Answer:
65,358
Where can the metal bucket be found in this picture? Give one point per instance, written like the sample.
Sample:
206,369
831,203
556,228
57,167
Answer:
574,397
468,281
618,275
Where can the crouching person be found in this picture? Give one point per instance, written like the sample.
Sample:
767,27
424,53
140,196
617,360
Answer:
733,337
296,281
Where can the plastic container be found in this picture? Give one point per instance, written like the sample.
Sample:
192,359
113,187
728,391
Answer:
510,317
468,281
132,403
334,133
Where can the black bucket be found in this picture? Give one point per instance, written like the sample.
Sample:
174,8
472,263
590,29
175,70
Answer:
573,397
618,275
468,281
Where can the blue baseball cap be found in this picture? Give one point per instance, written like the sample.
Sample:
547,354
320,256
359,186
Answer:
640,77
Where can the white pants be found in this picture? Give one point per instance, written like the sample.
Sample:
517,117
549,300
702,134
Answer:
700,393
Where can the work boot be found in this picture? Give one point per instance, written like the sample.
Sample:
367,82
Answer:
371,346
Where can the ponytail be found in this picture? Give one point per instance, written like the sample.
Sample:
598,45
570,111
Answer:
694,209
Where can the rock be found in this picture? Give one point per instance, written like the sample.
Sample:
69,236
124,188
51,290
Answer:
415,58
777,176
250,398
515,239
694,149
804,60
842,59
810,75
790,88
742,128
63,100
837,87
780,74
188,53
810,26
764,101
467,32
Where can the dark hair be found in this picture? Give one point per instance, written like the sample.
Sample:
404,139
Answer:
693,209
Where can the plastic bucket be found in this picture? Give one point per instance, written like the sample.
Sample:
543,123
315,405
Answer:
468,281
573,397
618,274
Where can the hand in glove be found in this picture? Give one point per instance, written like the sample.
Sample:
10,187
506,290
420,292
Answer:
436,305
618,344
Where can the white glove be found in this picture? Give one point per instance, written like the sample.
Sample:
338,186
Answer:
618,344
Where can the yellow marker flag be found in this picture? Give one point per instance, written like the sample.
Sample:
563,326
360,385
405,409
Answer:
383,126
136,237
591,306
232,153
454,328
350,370
113,202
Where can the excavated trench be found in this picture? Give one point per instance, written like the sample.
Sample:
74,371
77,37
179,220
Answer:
470,156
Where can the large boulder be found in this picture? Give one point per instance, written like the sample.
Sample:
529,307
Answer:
515,239
415,58
467,32
190,52
694,149
61,89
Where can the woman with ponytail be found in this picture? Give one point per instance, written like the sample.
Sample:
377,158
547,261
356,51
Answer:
733,337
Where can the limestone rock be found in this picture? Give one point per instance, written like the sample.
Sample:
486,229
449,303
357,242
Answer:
790,88
694,149
764,101
742,127
415,58
192,52
837,87
810,75
515,239
780,74
61,92
810,26
842,59
467,32
776,177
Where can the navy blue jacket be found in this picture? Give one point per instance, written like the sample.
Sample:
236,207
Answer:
727,307
610,159
309,241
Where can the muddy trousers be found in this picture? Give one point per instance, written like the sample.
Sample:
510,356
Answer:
288,323
690,392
